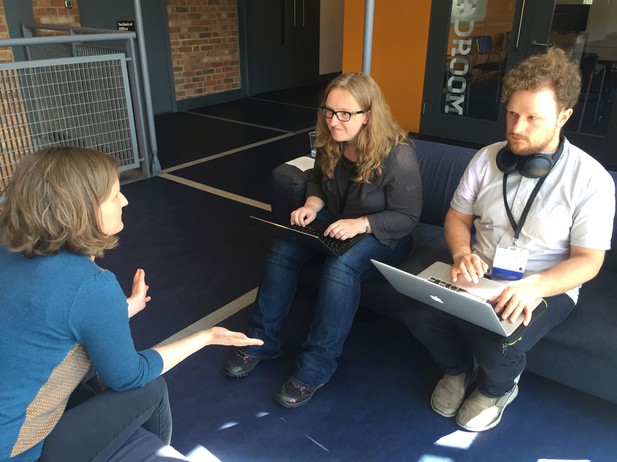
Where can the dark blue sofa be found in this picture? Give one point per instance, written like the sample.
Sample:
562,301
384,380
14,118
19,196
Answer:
580,353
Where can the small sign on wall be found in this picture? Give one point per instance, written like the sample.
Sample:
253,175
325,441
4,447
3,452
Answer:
126,25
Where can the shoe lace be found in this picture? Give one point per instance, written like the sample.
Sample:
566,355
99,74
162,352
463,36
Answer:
245,358
301,388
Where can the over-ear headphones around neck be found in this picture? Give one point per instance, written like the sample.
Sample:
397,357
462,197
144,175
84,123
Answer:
531,166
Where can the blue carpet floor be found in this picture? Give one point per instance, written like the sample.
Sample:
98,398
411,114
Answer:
199,251
376,408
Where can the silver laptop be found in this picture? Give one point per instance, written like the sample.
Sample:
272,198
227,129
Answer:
462,299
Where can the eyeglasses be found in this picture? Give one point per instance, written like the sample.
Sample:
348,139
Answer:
343,116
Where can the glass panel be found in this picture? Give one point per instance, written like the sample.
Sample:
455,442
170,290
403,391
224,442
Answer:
476,57
588,30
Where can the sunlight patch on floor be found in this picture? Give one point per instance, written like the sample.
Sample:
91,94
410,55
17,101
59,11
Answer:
227,425
431,458
458,439
167,452
201,454
318,444
564,460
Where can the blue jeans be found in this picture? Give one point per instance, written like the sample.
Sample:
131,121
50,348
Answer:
337,302
95,429
454,344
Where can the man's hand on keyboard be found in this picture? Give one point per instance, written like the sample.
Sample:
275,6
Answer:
345,229
469,266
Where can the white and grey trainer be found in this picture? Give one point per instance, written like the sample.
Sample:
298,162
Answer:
479,412
449,392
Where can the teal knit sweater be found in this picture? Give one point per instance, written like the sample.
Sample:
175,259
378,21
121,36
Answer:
58,315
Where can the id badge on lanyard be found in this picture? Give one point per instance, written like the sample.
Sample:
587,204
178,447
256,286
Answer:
509,263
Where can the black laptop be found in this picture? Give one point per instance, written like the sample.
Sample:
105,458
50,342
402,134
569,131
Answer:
311,236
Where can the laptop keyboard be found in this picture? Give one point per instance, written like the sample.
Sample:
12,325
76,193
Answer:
453,288
336,245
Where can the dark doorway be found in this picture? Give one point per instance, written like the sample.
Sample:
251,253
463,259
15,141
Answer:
280,44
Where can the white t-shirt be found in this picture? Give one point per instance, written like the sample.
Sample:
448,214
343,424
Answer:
575,206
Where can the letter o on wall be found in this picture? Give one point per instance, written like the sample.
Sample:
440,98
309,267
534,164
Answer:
455,70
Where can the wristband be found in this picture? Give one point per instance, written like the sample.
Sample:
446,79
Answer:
366,224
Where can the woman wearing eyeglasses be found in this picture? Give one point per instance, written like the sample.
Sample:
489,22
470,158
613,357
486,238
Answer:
366,180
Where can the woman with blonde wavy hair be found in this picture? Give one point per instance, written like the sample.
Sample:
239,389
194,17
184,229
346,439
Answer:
63,315
366,180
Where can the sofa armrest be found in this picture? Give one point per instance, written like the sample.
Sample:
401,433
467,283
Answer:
610,259
289,182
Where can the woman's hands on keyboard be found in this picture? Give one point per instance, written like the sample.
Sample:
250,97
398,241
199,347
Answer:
307,213
346,228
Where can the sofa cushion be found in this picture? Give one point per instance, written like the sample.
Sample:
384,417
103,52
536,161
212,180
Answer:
441,167
581,351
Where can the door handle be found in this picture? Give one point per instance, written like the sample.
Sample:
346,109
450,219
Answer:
283,23
520,25
538,44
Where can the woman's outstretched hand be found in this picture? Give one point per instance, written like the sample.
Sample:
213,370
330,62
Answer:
221,336
139,296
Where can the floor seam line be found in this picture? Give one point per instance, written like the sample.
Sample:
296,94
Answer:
215,317
284,103
224,119
216,191
231,151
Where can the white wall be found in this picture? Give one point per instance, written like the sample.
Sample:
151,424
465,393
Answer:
598,24
331,36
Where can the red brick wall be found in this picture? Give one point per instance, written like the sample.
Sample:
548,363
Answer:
54,12
204,46
6,54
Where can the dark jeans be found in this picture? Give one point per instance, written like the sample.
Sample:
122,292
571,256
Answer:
337,302
95,429
454,344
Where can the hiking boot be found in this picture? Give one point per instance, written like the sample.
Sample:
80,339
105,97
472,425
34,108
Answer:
240,364
293,395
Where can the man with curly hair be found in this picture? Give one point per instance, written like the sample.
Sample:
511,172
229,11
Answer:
543,211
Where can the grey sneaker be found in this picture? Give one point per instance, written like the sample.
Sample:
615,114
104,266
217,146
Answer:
480,412
449,393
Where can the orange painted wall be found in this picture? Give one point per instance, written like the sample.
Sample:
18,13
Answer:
400,37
